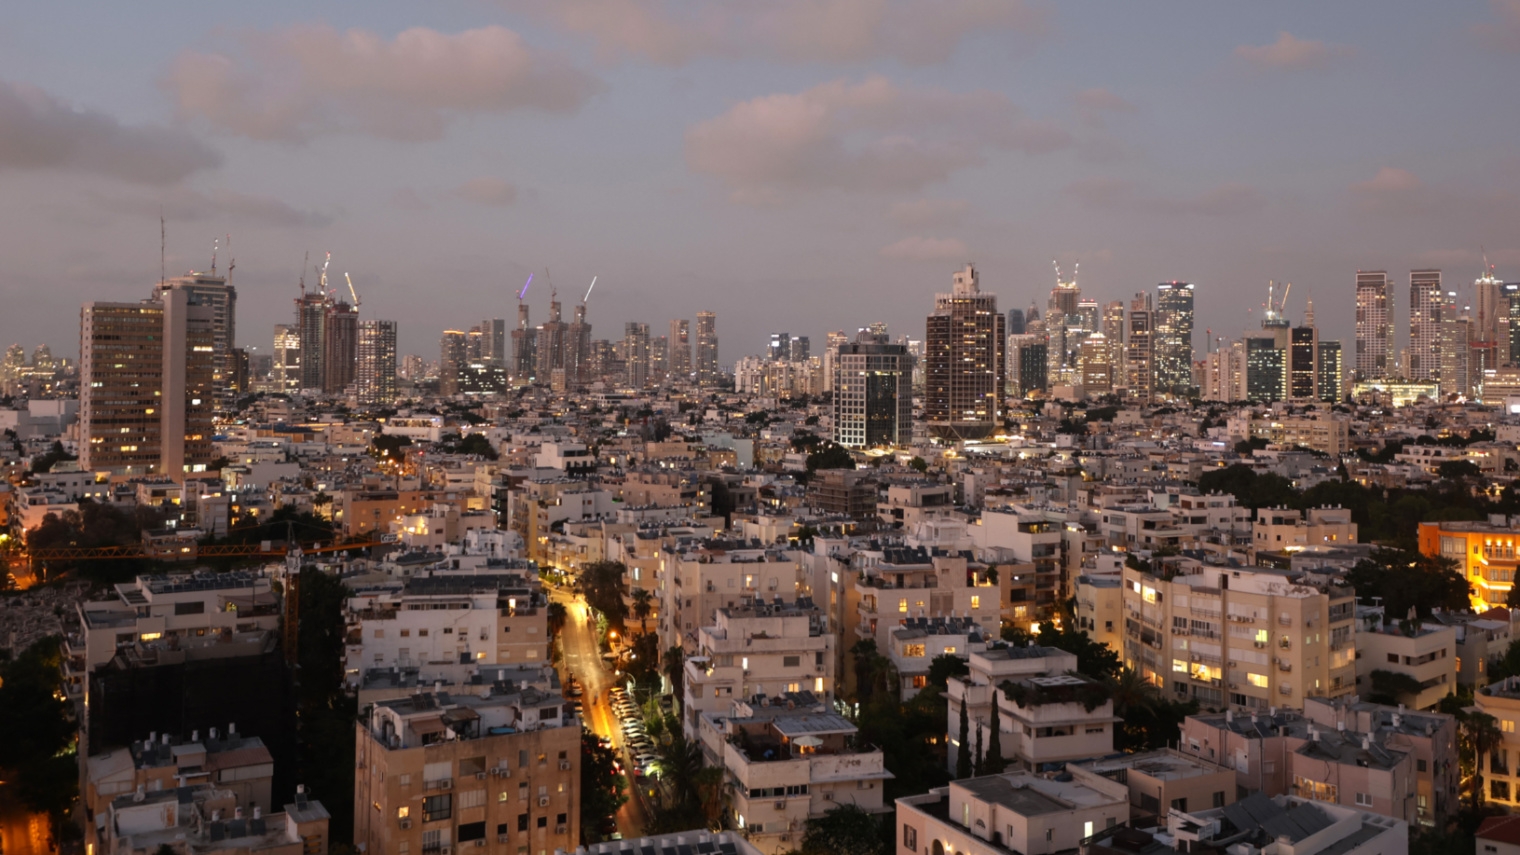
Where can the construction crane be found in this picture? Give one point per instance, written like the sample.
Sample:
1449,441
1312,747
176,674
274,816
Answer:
322,283
351,291
524,292
588,291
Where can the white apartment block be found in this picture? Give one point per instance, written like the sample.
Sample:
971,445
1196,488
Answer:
1013,812
1424,652
898,583
919,641
1289,530
699,577
758,651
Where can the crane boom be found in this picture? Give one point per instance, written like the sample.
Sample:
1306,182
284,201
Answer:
588,290
351,291
524,292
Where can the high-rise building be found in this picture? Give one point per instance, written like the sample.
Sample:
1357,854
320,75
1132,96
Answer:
493,340
1015,321
1065,296
453,358
217,293
1266,369
286,374
707,349
1454,349
963,362
1425,304
1303,369
1224,375
1374,325
1491,323
1113,330
551,341
578,350
800,349
375,375
147,388
659,360
830,356
311,332
873,393
636,353
1027,363
678,361
1331,386
1096,363
780,346
1139,348
1512,298
341,350
524,362
1173,345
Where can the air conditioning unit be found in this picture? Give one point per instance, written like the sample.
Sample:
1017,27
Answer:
506,773
446,784
564,765
501,838
446,850
406,823
480,843
543,801
561,829
480,776
781,805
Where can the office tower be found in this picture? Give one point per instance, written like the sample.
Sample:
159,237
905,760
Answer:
1097,366
780,346
453,358
493,345
1511,292
707,349
679,358
636,354
1425,303
873,393
1065,296
1027,363
218,294
659,356
286,373
524,361
1113,330
1088,320
1015,321
963,361
830,356
147,388
311,332
375,374
800,349
240,367
1454,350
1224,375
1374,325
551,341
1139,347
1266,369
1173,343
578,350
1331,386
1303,371
341,348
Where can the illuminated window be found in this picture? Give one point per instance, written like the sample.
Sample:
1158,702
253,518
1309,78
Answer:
1180,666
1149,594
976,601
1257,680
902,605
913,650
403,812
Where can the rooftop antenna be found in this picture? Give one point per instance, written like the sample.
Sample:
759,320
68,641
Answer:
163,243
588,291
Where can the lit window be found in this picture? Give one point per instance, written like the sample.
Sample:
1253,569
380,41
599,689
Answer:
976,601
1257,680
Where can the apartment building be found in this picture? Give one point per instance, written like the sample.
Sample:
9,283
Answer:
1484,552
898,582
758,650
1100,609
1289,529
919,641
1046,715
790,759
1424,652
1164,780
449,625
208,821
1482,640
910,503
1012,812
698,577
1500,767
497,769
1031,535
1242,637
1430,737
1326,434
1257,823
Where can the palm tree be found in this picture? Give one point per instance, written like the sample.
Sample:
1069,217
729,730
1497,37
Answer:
1480,732
643,605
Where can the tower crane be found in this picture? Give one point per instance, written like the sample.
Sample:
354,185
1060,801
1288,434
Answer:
588,291
351,291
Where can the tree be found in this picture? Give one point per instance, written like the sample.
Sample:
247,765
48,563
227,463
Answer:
1249,488
388,446
845,830
1407,579
674,662
976,756
963,751
325,712
556,616
830,456
42,760
643,605
603,790
918,463
1391,687
995,762
1094,658
1479,734
873,671
53,457
605,584
945,666
1509,665
1458,469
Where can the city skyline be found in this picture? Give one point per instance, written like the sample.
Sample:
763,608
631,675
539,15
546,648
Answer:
610,159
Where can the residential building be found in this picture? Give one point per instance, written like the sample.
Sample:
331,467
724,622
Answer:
1164,780
707,349
207,820
758,650
375,372
919,641
1484,552
219,299
1139,349
1260,824
1425,305
1012,812
1289,529
340,357
1100,609
873,393
1499,835
699,577
1332,385
963,361
899,583
226,761
453,361
499,767
1374,326
285,376
311,332
635,354
1173,343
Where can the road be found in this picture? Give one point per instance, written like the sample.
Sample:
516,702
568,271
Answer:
21,832
584,660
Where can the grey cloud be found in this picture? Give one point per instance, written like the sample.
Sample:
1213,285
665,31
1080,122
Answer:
867,136
1227,199
918,213
926,249
303,81
1503,33
674,32
219,205
487,190
1102,99
39,132
1290,53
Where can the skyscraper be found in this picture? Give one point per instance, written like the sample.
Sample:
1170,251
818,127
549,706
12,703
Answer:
453,358
550,341
375,374
1027,364
832,341
578,350
1096,365
286,373
1425,305
1303,370
341,349
1015,321
1374,325
707,349
873,393
493,340
524,362
1173,346
800,350
963,361
1266,369
1331,386
219,295
1490,344
1139,347
311,332
780,346
678,361
636,353
1512,297
659,356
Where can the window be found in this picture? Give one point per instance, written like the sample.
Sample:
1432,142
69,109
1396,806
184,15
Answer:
913,651
976,601
1257,680
472,831
522,822
1180,666
1506,725
1419,765
194,608
1179,804
437,807
472,798
1219,799
432,841
902,605
791,661
422,632
403,812
1394,658
910,838
543,822
1364,800
406,633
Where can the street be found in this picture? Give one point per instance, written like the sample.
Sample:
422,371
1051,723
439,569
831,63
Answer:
584,660
21,832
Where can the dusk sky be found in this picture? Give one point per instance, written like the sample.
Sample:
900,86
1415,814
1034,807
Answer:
798,165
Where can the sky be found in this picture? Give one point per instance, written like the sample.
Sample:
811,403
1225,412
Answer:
792,165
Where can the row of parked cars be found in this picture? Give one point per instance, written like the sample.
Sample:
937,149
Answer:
640,747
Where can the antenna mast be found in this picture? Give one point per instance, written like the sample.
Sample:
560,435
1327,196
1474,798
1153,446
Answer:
163,243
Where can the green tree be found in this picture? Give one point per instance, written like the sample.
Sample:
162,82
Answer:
1408,579
556,616
1509,664
1480,733
325,712
945,666
388,446
643,606
844,830
1094,658
674,662
1392,687
605,585
977,755
830,456
995,762
963,749
1458,469
918,463
603,790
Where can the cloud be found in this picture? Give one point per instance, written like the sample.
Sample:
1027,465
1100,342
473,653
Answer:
1389,180
487,191
408,199
1290,53
926,249
39,132
674,32
867,136
1102,99
929,212
219,205
1229,199
1503,33
300,82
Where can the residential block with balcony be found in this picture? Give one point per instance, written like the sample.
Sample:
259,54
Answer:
1417,661
700,576
1010,813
